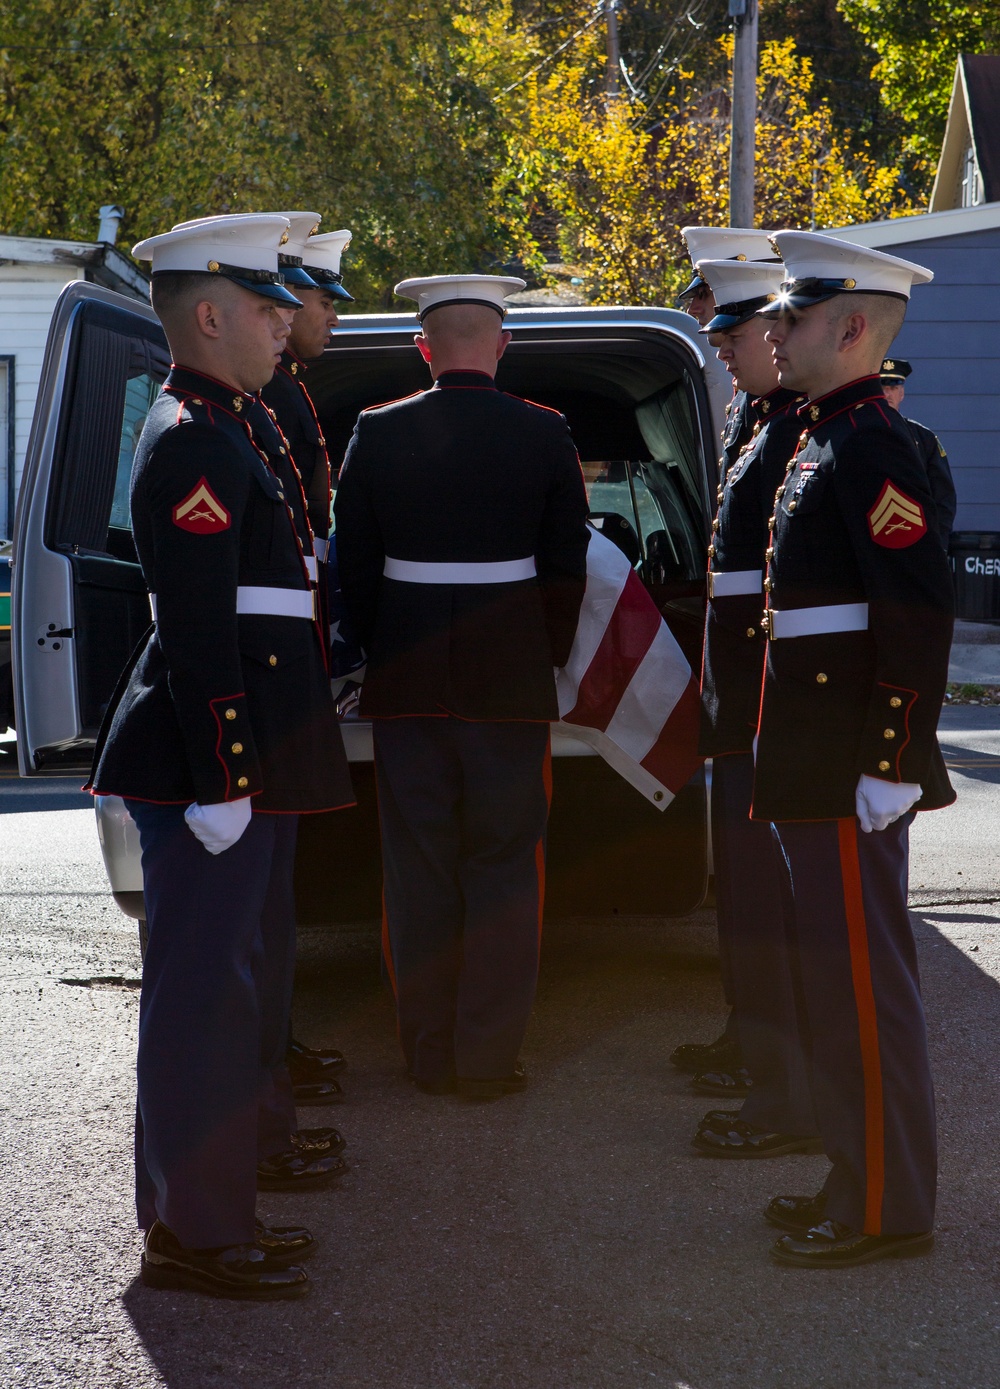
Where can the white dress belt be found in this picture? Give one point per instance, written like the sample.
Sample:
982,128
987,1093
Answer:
268,602
311,567
814,622
735,582
322,548
504,571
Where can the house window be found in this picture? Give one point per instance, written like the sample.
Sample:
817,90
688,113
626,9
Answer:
7,447
969,193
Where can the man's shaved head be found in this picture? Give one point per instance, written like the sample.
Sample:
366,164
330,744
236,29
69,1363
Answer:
462,337
175,294
883,313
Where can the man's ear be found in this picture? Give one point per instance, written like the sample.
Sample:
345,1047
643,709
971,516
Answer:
502,342
208,318
853,330
423,347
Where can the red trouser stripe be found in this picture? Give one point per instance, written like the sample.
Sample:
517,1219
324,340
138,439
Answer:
864,997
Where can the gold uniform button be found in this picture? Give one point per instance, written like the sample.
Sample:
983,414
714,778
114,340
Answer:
769,552
281,448
895,702
889,733
804,437
272,660
751,631
230,713
770,522
196,401
237,747
883,766
822,678
711,552
792,505
243,783
715,524
768,585
756,430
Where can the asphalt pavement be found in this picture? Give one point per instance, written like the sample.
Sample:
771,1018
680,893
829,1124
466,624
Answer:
562,1238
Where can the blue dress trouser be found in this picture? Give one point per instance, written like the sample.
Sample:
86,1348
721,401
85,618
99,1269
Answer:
463,808
862,1021
753,899
213,1020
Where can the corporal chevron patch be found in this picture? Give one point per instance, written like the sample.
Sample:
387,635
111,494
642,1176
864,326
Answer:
896,520
201,512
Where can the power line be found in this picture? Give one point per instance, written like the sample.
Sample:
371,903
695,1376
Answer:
598,14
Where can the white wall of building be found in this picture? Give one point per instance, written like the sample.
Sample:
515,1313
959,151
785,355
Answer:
27,297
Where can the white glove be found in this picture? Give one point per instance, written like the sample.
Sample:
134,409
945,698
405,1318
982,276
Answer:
878,802
218,826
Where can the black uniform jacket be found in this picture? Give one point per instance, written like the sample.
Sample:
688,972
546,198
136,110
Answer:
853,523
462,473
938,471
215,705
738,429
735,642
287,396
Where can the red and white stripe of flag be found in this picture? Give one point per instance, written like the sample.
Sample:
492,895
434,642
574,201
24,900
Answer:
627,688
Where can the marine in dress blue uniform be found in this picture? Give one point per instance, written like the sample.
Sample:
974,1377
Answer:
752,893
226,700
738,244
859,617
461,537
308,1074
894,375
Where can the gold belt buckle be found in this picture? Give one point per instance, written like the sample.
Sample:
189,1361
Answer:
765,621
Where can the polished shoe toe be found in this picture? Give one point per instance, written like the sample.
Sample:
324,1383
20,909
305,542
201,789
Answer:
722,1054
284,1244
318,1141
308,1064
476,1088
832,1245
317,1092
796,1213
293,1171
735,1084
241,1271
737,1139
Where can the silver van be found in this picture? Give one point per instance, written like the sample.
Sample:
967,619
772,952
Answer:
645,402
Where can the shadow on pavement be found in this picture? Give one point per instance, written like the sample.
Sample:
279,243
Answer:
566,1238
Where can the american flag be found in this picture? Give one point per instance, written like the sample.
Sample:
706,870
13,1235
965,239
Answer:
627,688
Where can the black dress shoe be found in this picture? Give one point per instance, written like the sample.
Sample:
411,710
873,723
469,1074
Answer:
241,1271
736,1139
284,1244
313,1063
317,1142
722,1054
796,1213
733,1085
474,1088
832,1245
317,1092
293,1171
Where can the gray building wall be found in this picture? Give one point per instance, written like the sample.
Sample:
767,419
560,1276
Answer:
952,338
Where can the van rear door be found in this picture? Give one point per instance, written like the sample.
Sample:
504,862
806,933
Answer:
79,604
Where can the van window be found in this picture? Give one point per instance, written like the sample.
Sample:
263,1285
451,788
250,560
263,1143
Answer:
140,392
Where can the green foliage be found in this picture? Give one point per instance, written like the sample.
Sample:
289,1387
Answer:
917,43
361,110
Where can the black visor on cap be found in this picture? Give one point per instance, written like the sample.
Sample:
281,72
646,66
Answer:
264,282
800,294
483,303
732,315
331,281
696,284
291,270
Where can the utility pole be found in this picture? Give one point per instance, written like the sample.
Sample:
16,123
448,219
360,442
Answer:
613,81
743,144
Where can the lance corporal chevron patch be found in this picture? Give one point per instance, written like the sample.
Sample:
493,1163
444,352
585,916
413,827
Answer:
201,512
896,520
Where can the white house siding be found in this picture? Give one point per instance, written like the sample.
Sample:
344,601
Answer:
27,297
